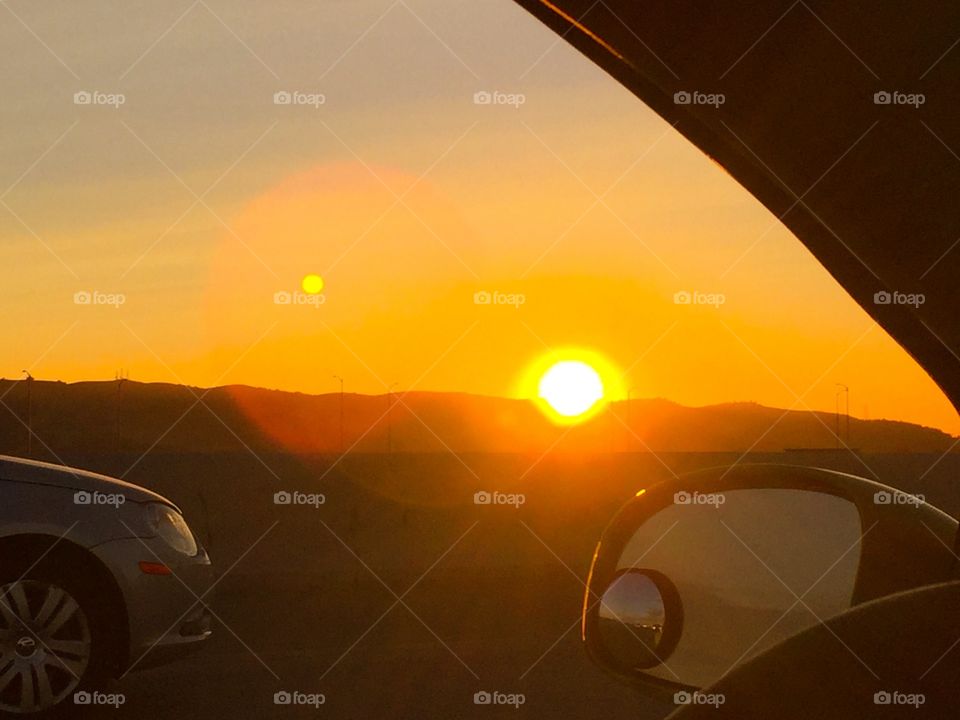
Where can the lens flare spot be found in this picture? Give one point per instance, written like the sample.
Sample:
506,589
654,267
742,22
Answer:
312,284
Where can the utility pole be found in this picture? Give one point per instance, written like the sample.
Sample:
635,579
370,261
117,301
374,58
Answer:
836,418
29,381
390,405
627,419
337,377
847,411
121,379
841,388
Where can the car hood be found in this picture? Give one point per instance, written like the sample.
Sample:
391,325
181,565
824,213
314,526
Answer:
41,473
841,118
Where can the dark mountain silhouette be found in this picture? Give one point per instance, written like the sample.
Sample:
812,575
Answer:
97,417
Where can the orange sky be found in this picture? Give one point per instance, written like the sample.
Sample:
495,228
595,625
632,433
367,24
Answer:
408,198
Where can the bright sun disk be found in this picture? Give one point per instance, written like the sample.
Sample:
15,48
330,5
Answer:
570,387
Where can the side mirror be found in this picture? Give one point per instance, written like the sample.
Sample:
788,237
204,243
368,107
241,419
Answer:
696,575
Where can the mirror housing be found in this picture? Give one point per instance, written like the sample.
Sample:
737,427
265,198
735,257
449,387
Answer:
717,555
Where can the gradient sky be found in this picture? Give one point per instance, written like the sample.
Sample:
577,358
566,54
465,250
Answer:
199,198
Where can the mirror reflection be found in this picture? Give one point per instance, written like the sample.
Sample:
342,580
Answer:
632,617
752,567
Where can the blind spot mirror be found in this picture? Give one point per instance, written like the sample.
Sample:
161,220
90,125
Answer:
640,619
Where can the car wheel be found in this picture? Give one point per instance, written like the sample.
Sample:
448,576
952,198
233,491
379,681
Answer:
50,643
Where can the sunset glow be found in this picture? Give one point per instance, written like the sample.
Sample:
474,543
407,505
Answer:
353,238
571,388
571,385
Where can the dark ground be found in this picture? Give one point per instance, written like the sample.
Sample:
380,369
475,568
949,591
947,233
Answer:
498,610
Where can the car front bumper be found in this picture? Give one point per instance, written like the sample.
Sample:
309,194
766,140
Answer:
167,614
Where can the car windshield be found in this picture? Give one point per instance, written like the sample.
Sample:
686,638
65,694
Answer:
398,301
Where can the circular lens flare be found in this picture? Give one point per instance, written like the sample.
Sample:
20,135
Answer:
570,387
312,284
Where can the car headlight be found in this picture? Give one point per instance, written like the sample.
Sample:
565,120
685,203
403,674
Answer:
170,526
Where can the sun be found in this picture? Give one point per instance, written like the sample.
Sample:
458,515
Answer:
571,388
571,385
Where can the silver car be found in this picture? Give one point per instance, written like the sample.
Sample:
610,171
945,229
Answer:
98,577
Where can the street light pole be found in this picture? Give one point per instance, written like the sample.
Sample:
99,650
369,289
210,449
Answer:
841,388
847,411
337,377
390,417
29,381
627,420
117,408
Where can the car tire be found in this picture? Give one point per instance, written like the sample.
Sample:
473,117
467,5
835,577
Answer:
54,639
